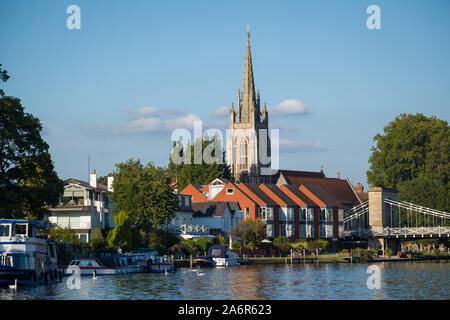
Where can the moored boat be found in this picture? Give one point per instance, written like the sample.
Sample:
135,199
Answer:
27,253
222,256
88,266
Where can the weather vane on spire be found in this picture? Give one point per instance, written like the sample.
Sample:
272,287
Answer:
248,28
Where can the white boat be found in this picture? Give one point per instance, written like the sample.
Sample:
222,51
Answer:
27,253
90,265
151,261
222,256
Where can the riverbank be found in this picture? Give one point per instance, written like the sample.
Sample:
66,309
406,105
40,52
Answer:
184,263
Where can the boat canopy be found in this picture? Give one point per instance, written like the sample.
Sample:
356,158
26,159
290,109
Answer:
36,223
217,251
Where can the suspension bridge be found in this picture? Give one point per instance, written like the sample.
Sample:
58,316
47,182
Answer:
383,220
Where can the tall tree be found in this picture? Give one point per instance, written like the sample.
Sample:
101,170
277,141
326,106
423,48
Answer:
203,168
28,181
413,155
144,193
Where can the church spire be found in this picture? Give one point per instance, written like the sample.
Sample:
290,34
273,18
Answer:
248,85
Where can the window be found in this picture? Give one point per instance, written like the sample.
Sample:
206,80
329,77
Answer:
230,191
310,214
186,201
21,229
246,213
4,230
180,201
269,230
290,214
75,222
83,238
243,151
265,213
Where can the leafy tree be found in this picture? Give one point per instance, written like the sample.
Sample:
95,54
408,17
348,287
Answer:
67,235
282,243
97,239
221,240
144,192
203,244
28,181
413,156
251,231
122,234
209,169
189,246
161,240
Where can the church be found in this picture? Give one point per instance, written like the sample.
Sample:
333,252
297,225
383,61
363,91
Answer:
249,151
248,143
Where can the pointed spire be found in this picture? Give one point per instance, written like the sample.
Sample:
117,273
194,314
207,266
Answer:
232,107
248,86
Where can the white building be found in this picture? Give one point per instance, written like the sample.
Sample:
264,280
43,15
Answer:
205,219
83,206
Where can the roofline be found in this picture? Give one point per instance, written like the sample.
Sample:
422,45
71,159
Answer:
353,189
292,195
250,191
324,205
274,195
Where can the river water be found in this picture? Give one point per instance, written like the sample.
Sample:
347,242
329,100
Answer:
399,280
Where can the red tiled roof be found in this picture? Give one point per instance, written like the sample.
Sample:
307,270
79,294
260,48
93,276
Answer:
323,196
299,194
339,189
278,193
252,190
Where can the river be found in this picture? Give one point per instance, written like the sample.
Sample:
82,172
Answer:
399,280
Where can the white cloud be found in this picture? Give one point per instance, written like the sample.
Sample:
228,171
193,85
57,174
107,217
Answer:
287,146
143,120
290,107
221,112
150,112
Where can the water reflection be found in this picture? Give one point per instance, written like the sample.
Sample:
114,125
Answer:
401,280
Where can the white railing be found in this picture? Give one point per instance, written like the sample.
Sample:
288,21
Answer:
397,232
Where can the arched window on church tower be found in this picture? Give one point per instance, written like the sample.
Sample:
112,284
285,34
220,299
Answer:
243,154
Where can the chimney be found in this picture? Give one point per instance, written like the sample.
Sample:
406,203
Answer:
93,180
359,188
110,183
338,174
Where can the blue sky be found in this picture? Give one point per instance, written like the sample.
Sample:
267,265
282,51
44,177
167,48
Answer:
137,69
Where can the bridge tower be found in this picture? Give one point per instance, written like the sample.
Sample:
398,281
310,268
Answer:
382,215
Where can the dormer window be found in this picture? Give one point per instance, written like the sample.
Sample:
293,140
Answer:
230,191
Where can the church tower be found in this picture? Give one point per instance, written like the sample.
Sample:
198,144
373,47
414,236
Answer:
248,143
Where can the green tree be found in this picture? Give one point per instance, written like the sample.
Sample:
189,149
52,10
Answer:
251,231
413,156
221,240
144,192
97,240
210,168
161,240
282,243
203,244
122,234
66,235
28,181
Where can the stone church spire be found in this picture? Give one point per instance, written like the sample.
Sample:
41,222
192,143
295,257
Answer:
248,105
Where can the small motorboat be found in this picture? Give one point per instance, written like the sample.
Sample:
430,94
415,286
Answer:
90,267
222,256
204,262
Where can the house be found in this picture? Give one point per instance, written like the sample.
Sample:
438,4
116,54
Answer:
328,215
307,207
218,217
288,212
296,212
83,206
268,209
204,219
340,189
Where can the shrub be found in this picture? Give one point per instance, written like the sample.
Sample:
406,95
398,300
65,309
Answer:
388,252
97,239
236,245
